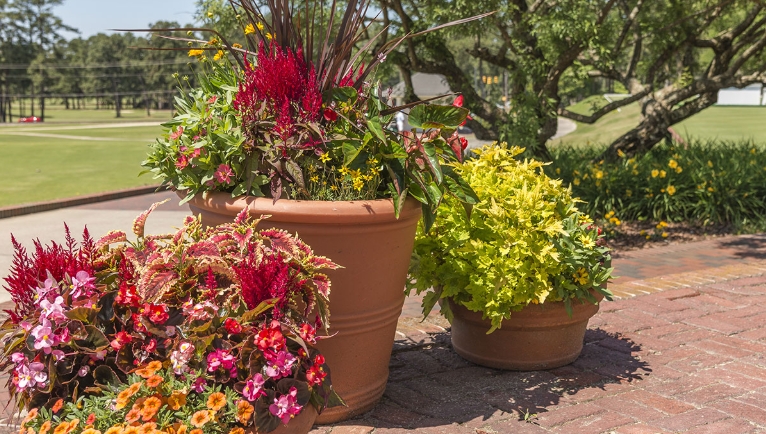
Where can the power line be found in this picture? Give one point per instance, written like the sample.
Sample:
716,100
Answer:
11,66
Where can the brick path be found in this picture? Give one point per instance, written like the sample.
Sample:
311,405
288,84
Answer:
689,359
681,350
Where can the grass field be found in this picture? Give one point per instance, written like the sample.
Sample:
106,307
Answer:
51,160
720,123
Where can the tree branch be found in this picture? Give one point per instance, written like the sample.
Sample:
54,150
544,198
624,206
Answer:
598,114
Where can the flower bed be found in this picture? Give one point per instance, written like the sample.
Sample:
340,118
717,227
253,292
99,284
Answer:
206,329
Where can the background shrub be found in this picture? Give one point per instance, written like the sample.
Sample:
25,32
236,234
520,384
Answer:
702,182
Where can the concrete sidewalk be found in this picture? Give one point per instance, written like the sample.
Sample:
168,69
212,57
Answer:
680,350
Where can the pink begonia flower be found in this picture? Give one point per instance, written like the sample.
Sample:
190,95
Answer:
82,283
221,359
48,286
199,384
223,174
280,365
59,355
31,375
177,133
180,357
254,388
44,337
18,358
285,407
55,310
83,371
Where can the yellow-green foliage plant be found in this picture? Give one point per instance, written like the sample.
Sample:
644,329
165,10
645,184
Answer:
525,242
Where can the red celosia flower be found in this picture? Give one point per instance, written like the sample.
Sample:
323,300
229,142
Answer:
28,270
264,278
120,340
287,85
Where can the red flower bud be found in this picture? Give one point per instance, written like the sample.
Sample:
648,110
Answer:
330,115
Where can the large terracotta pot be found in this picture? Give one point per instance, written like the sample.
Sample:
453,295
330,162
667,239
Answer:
537,337
367,294
300,424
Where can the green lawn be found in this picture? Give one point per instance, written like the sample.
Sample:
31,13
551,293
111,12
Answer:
57,114
721,123
45,168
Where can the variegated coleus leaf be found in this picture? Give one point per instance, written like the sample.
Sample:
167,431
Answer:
281,240
140,221
155,283
320,262
112,237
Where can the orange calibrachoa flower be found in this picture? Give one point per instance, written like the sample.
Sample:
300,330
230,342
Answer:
57,406
31,415
216,401
196,431
91,419
200,418
147,428
72,425
61,428
130,430
133,416
90,431
114,430
177,428
151,406
177,400
237,431
154,381
244,411
46,426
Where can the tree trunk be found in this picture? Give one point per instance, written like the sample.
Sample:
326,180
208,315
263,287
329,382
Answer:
42,108
66,103
32,101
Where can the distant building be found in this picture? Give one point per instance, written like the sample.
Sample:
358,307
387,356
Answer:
751,95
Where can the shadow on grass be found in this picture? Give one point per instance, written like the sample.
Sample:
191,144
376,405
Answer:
430,385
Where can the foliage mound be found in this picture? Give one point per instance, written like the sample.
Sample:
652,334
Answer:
116,334
711,182
525,242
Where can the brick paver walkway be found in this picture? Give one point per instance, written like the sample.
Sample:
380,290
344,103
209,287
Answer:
690,359
681,350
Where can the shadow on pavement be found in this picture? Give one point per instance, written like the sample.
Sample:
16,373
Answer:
747,247
430,385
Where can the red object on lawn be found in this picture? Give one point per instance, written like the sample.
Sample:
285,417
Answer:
30,119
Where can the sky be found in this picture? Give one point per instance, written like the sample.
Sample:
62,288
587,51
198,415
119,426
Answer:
97,16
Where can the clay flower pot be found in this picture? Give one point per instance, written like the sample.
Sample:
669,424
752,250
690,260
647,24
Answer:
537,337
367,295
300,424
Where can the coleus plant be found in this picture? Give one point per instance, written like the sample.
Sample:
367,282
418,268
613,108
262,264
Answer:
228,308
293,114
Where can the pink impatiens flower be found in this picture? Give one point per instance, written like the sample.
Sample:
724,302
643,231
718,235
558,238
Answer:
223,174
286,406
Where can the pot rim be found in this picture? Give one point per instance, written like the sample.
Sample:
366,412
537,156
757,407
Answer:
318,211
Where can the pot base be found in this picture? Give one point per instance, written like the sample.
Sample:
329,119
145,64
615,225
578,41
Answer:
538,337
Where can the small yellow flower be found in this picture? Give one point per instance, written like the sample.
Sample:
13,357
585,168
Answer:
314,178
648,237
711,189
344,171
235,45
620,153
752,151
269,36
663,173
609,214
629,193
671,190
558,171
333,187
599,174
673,164
576,181
213,41
249,29
196,53
324,157
664,235
358,184
709,163
679,169
219,55
642,233
655,173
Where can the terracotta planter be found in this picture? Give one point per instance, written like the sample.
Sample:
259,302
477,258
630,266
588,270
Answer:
535,338
367,295
301,424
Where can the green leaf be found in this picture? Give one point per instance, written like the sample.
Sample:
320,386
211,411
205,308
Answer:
341,94
350,149
429,216
377,129
85,314
252,314
437,116
433,160
105,376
